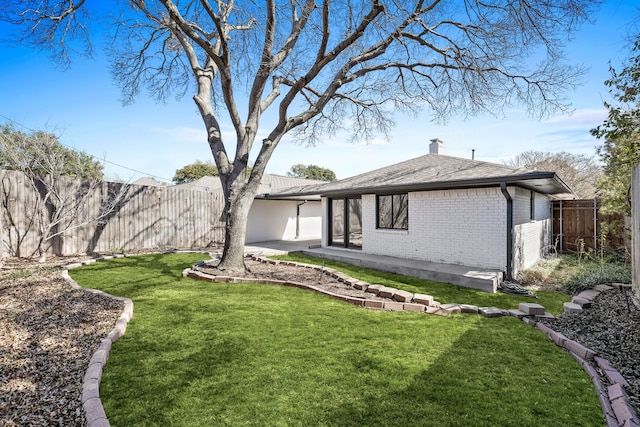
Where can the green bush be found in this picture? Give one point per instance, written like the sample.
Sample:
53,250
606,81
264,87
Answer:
572,274
593,274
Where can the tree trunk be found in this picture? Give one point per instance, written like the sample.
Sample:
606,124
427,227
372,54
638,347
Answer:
237,213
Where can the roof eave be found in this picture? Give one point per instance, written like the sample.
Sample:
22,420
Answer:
543,182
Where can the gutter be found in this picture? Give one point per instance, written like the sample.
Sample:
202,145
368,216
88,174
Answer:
525,180
298,218
507,196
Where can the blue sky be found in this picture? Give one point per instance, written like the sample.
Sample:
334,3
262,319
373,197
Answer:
82,104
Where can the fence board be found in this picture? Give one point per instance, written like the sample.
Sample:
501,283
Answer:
577,222
146,218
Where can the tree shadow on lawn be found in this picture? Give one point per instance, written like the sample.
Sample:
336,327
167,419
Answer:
539,385
150,270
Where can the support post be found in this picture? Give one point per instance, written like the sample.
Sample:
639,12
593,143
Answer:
507,196
595,226
561,228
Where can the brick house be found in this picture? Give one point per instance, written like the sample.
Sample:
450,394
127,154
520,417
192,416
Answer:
443,209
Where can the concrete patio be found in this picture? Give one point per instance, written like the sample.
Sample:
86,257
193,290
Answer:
469,277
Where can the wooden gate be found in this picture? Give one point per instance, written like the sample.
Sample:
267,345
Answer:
578,223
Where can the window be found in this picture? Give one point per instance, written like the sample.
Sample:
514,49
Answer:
532,206
393,211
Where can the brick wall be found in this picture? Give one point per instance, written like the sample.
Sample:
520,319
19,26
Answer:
532,237
451,226
466,227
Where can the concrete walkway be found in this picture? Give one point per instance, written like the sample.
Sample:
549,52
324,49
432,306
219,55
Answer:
280,247
469,277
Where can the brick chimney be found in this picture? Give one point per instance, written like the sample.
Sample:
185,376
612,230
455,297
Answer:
436,146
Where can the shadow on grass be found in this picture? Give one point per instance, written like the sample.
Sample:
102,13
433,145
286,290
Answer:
134,276
545,383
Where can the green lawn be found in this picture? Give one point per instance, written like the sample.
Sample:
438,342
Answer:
208,354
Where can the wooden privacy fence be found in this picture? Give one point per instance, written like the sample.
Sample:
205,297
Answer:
579,222
143,218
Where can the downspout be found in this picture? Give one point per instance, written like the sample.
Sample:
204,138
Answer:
298,218
507,196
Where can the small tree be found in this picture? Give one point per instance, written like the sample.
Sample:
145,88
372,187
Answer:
63,180
312,172
194,171
621,133
579,171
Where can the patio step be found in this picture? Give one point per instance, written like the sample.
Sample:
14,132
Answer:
468,277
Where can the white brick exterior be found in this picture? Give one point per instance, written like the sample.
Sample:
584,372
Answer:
452,226
532,236
466,227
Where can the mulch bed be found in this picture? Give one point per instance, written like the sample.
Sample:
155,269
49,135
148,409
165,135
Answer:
48,332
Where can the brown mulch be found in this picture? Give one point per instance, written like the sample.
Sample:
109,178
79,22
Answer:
48,332
281,271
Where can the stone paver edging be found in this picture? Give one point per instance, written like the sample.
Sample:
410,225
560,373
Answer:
613,398
91,403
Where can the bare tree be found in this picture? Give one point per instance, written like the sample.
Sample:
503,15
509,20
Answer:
579,171
62,180
323,65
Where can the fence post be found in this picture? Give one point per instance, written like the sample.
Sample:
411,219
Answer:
635,231
595,226
561,229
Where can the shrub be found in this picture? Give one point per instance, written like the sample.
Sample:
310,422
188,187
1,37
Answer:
593,274
573,274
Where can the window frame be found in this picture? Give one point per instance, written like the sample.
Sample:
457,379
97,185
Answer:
394,211
345,211
532,206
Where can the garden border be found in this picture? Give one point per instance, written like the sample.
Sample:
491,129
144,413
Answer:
91,402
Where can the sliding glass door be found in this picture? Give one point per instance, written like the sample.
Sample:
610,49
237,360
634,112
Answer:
346,222
337,222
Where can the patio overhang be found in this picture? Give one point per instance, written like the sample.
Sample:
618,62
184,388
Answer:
542,182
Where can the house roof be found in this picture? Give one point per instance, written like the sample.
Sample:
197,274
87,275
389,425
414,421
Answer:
269,184
206,183
437,172
275,183
148,181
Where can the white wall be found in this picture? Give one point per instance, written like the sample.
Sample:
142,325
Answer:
465,227
276,220
532,237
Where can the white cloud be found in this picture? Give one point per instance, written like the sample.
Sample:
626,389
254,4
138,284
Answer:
589,117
